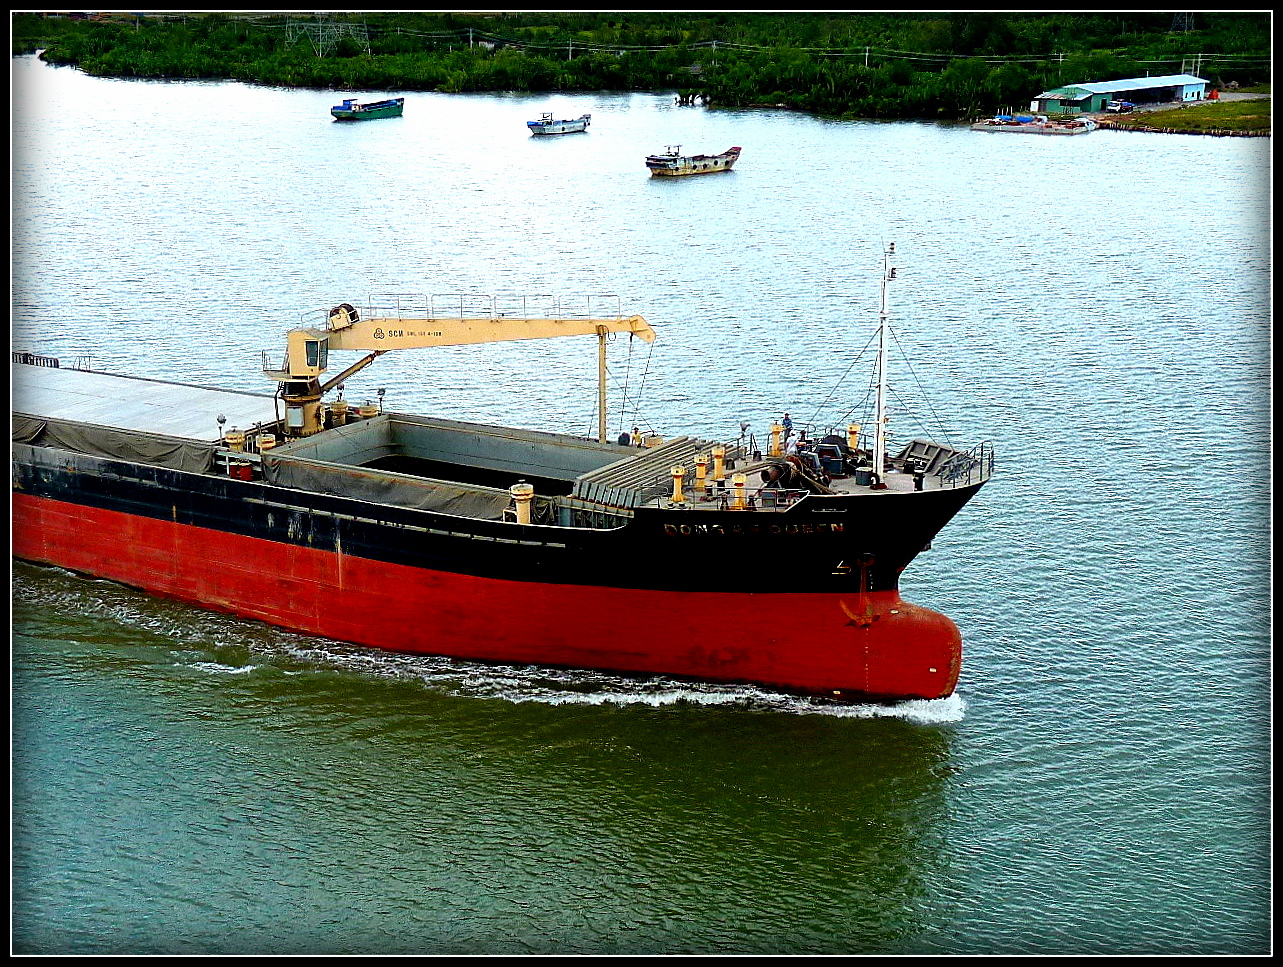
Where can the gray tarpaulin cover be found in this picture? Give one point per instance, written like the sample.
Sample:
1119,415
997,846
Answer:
376,486
381,487
127,445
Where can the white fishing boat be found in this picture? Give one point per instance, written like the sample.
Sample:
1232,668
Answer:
546,125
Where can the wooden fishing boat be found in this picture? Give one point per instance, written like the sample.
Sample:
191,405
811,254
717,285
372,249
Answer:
673,164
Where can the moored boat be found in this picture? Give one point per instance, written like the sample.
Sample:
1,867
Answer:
546,125
671,163
427,535
353,110
1036,124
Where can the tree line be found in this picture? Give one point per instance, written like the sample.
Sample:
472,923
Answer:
911,65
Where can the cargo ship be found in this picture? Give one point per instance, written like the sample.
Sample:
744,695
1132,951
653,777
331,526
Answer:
691,557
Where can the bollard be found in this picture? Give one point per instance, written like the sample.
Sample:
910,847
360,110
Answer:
678,473
523,493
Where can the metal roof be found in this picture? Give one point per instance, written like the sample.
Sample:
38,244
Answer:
1130,84
133,403
1067,94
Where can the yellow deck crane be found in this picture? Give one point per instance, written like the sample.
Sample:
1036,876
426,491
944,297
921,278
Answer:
307,350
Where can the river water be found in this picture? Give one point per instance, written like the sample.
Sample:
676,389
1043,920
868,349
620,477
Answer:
1098,307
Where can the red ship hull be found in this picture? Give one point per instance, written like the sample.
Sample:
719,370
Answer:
857,645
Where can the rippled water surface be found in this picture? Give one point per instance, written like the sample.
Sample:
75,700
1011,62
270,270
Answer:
1098,307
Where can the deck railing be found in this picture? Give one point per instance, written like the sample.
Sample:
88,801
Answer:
34,359
466,305
966,469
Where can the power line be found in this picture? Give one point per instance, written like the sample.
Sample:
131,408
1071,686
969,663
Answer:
324,32
864,52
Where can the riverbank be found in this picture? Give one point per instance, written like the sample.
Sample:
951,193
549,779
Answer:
1246,114
917,66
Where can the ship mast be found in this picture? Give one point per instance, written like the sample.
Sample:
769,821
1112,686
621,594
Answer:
880,415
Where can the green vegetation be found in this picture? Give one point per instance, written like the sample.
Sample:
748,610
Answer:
1251,115
910,65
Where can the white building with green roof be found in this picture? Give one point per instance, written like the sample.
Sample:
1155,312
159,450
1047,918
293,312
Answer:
1091,98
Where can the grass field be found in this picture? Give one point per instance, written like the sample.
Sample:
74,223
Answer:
1253,115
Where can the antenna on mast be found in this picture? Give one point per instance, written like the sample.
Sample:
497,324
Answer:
880,415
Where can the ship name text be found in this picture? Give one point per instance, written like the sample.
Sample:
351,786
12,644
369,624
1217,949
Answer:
688,530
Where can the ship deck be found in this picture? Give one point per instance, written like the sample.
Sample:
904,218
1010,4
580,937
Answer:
134,403
452,460
759,497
